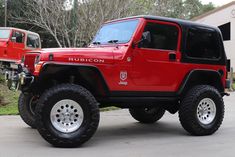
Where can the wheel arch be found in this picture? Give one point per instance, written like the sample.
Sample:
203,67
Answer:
201,77
87,76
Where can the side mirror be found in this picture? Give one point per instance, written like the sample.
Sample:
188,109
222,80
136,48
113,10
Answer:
145,41
146,37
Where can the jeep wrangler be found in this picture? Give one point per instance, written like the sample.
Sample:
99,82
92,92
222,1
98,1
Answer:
14,43
148,64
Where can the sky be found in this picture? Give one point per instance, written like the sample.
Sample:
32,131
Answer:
216,2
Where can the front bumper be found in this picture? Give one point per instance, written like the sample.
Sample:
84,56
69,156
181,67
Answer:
16,79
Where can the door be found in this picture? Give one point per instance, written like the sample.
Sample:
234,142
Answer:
16,45
156,60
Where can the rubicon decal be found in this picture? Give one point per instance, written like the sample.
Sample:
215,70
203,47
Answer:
86,60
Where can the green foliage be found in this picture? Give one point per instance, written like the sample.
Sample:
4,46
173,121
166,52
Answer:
208,7
8,100
184,9
1,79
10,109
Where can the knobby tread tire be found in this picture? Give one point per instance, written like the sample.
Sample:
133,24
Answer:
23,106
188,110
80,136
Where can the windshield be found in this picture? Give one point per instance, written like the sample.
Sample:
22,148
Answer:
4,33
120,32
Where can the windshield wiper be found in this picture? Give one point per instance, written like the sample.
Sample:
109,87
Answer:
96,43
113,41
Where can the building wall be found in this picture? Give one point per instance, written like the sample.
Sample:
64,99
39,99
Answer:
219,18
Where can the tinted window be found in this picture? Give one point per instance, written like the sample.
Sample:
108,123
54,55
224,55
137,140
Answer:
202,43
33,41
161,36
226,31
18,37
4,33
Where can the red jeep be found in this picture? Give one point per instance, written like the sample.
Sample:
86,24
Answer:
148,64
14,43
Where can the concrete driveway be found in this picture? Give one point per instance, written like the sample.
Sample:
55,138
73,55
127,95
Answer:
121,136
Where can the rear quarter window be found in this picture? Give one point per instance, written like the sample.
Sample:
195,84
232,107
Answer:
202,44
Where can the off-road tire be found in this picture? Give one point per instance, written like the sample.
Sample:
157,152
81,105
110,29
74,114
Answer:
26,112
188,110
88,104
147,115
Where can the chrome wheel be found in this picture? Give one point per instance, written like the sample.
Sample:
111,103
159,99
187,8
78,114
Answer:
66,116
206,111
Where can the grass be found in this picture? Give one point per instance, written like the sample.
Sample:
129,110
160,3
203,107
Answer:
10,98
233,85
109,109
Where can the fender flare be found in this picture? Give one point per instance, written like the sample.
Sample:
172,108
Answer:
199,77
53,67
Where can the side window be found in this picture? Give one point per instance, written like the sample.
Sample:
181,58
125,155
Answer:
18,37
202,43
161,36
33,41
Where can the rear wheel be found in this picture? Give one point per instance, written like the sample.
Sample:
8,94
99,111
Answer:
67,115
148,114
26,107
202,110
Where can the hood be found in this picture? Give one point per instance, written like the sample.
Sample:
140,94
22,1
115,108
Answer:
3,42
102,55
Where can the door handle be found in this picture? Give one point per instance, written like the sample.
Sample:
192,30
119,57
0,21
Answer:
172,56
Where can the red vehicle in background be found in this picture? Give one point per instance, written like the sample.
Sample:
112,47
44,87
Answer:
14,43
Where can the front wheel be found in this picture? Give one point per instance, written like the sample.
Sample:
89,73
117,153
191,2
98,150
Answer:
202,110
67,115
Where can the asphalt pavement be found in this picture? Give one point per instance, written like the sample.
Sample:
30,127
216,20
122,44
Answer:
119,135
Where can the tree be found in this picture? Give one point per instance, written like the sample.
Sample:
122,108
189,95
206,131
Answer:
170,8
73,23
208,7
70,28
192,8
2,14
184,9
